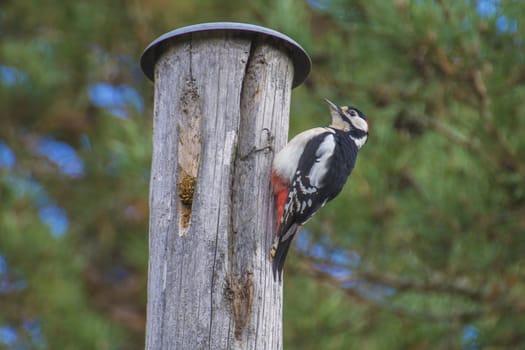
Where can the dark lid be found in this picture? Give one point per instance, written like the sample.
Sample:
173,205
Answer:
301,60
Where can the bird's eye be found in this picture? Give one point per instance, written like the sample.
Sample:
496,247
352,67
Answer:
353,113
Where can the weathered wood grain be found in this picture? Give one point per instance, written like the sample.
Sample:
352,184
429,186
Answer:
218,98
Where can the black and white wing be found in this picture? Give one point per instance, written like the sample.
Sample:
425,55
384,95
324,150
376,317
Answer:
306,194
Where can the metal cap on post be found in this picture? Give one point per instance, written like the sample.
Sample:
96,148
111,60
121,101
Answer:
301,61
222,95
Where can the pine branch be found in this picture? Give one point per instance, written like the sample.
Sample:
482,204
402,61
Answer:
506,154
456,317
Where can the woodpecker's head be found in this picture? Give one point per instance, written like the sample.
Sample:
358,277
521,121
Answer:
351,120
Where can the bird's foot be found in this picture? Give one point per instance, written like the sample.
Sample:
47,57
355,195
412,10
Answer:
267,148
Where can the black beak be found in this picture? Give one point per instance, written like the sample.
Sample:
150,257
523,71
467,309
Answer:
333,106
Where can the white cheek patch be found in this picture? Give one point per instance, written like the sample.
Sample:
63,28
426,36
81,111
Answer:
359,123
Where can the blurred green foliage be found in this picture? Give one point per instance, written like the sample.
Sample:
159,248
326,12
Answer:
428,236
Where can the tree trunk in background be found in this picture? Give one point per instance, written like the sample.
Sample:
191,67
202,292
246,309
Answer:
217,98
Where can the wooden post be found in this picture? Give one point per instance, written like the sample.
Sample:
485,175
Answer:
222,97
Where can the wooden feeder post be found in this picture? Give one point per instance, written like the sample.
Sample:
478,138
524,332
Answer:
222,98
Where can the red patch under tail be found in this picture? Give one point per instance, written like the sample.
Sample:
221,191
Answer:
280,188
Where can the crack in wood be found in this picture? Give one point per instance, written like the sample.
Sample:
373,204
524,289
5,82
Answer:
189,148
239,290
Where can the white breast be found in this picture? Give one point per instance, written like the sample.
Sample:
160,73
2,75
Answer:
285,162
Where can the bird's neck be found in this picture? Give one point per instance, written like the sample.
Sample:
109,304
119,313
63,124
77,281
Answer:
357,137
358,140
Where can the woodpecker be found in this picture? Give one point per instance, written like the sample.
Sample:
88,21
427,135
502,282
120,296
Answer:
310,171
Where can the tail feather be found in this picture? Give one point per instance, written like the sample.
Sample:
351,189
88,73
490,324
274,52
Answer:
279,258
279,251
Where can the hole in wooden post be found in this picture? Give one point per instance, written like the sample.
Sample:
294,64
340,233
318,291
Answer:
186,191
189,131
